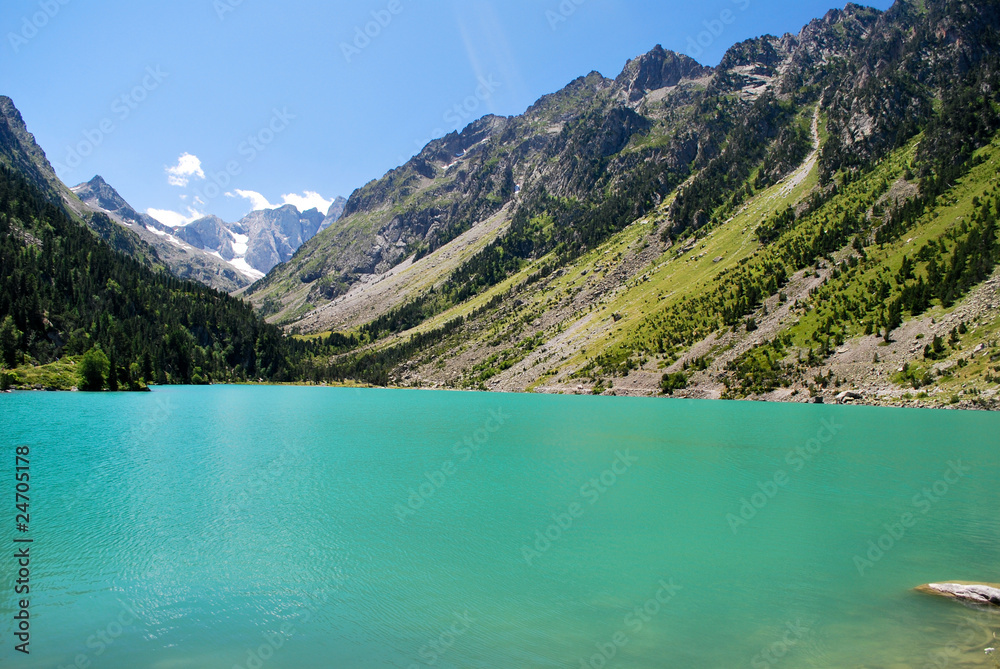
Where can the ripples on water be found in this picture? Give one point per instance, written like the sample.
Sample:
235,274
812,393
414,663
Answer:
207,527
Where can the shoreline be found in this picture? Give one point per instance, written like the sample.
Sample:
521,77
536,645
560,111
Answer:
989,404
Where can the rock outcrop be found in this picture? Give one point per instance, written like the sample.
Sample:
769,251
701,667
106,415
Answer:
275,234
973,593
655,70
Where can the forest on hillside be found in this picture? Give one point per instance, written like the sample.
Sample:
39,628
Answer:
65,293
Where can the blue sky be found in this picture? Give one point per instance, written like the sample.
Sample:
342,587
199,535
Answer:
219,106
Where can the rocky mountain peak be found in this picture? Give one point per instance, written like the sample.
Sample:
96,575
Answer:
98,189
210,233
275,234
12,120
655,70
454,144
567,103
336,209
19,151
760,52
98,195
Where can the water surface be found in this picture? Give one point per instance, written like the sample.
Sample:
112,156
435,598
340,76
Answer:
307,527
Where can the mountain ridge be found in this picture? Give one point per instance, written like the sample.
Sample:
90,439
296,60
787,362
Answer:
421,231
185,251
252,246
815,218
182,258
480,262
20,151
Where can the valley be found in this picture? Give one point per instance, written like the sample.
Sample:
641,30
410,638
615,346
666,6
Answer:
568,387
720,284
811,220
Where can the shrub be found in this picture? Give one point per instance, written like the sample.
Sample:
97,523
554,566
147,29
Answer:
93,370
8,380
672,382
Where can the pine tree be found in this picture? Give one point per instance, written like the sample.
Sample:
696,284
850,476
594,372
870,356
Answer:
10,338
112,372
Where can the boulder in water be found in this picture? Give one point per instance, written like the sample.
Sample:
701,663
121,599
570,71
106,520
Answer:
974,593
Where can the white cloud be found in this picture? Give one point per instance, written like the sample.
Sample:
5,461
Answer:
187,166
257,201
308,200
174,219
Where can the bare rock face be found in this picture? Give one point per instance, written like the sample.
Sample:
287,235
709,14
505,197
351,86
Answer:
334,213
209,233
974,593
657,69
275,234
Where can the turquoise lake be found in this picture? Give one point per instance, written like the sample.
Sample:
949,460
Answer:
337,528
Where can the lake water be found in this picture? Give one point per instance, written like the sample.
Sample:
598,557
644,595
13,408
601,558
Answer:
335,528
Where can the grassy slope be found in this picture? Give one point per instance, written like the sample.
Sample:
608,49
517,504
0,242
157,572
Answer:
668,278
951,211
285,297
407,280
545,333
59,375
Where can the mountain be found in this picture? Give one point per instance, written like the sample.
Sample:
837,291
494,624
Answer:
81,286
99,196
20,152
210,233
816,213
813,219
209,251
67,296
273,235
607,149
183,257
334,213
226,256
657,70
256,243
